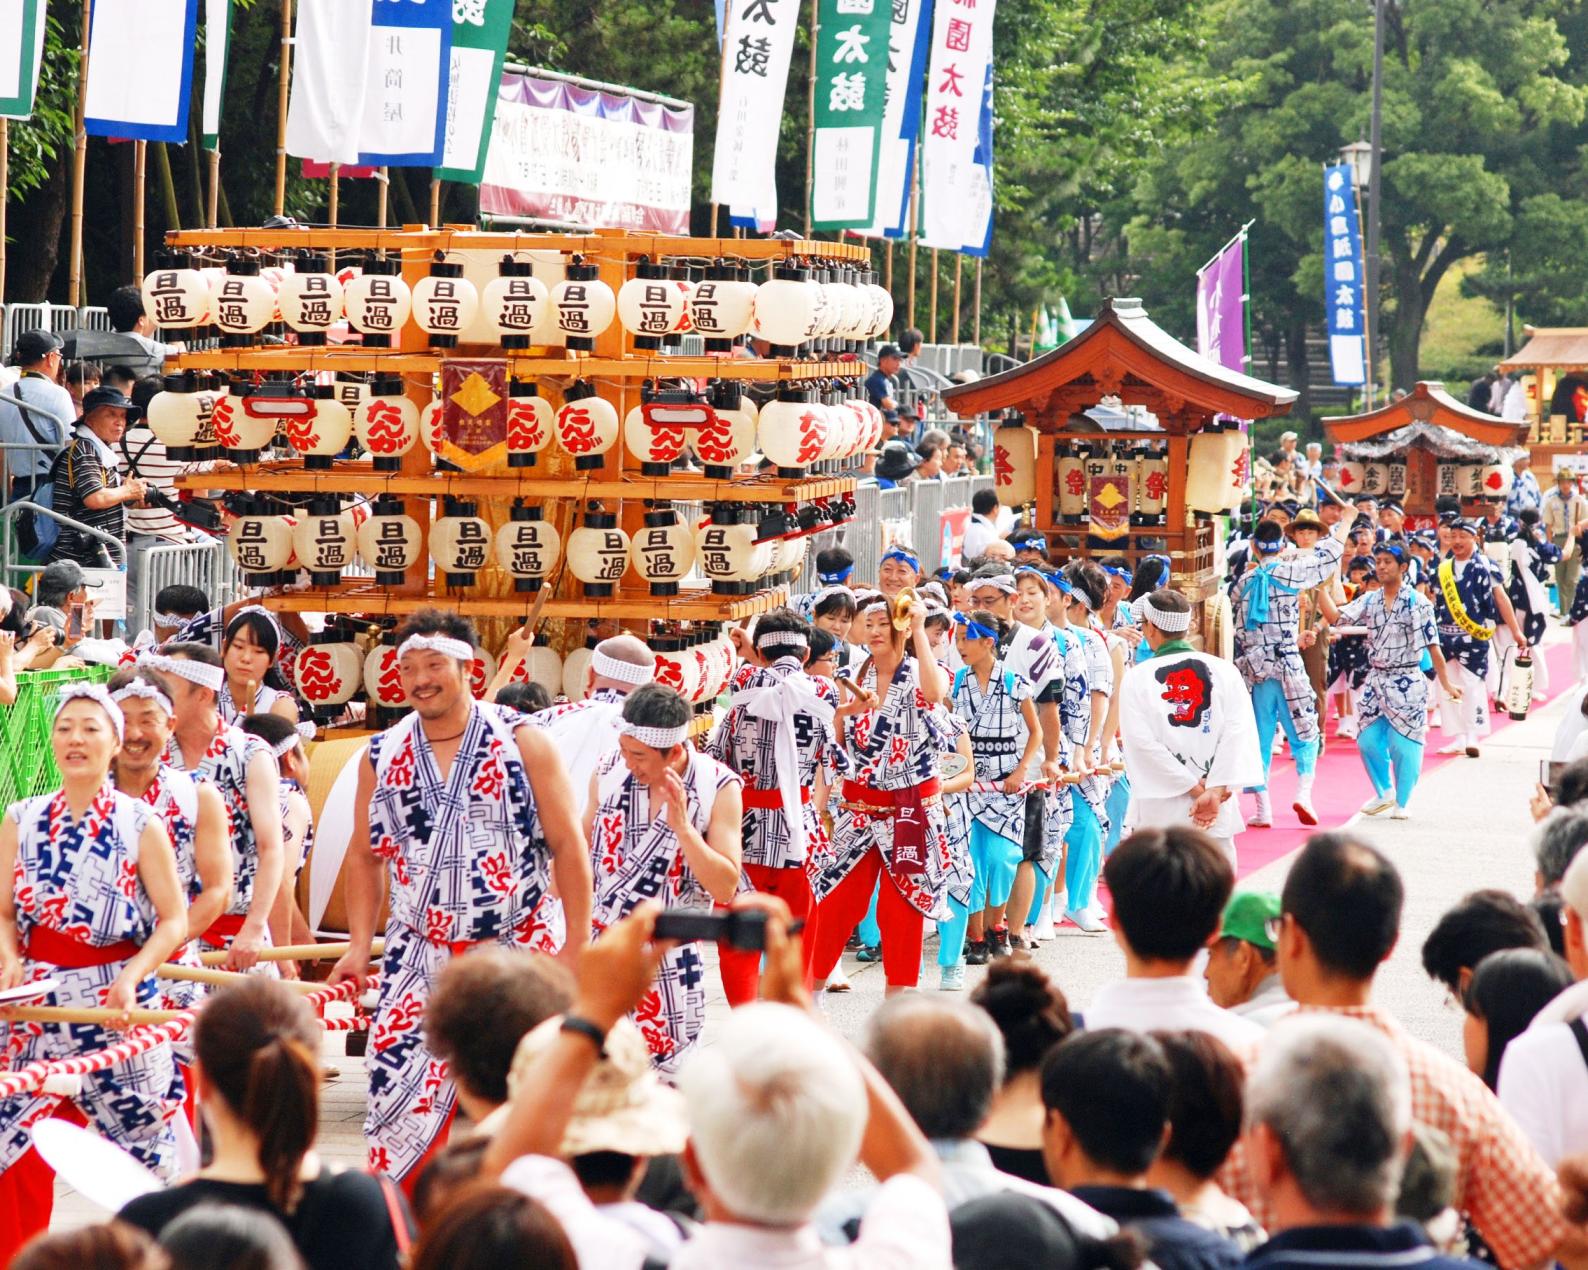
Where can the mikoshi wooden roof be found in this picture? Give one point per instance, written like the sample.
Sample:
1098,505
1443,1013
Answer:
1424,414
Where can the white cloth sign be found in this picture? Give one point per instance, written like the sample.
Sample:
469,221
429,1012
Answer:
955,80
326,108
19,65
140,67
217,41
755,60
893,160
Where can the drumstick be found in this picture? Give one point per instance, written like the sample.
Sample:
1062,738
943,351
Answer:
296,952
194,974
250,691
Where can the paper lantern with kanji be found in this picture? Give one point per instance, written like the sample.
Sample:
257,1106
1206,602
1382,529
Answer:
179,416
481,671
325,541
260,545
390,541
1375,478
722,307
598,553
881,307
1397,479
444,303
176,296
514,303
1219,472
432,427
383,683
387,424
322,431
1447,482
728,552
378,302
460,542
587,426
728,438
243,302
657,432
1351,477
244,424
1469,479
677,668
527,548
310,299
530,423
1015,464
1070,484
574,666
329,674
584,305
650,305
792,431
1154,487
1494,480
663,551
786,309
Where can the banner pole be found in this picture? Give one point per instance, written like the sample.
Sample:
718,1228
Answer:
335,212
959,269
74,260
887,265
1239,233
932,325
975,329
382,191
5,186
810,118
914,246
435,203
140,168
282,82
214,217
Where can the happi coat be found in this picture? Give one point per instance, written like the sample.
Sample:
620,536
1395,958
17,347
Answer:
1398,637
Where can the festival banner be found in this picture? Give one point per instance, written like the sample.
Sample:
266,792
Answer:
955,79
140,69
1343,277
980,214
479,44
909,38
756,49
21,49
406,85
326,107
1108,507
604,159
217,44
851,72
1221,306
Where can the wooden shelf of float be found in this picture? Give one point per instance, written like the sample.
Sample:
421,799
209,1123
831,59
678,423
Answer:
355,359
693,604
357,477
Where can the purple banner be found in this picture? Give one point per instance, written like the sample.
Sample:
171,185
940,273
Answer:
1221,307
565,153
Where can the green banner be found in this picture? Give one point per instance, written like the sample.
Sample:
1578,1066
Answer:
21,43
851,79
217,45
479,44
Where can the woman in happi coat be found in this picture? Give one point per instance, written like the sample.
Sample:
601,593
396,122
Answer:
251,652
890,818
89,898
664,824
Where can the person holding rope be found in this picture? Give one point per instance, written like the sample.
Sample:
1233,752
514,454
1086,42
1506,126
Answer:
90,900
243,771
466,808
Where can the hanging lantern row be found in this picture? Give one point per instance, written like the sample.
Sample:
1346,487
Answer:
1459,480
333,670
819,307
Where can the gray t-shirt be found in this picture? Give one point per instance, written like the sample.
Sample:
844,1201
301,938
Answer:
55,430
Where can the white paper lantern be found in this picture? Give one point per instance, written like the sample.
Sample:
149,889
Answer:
663,551
1469,479
792,431
481,672
260,545
179,417
177,296
1397,478
1219,475
444,303
657,432
729,437
1154,487
527,547
587,426
785,309
722,307
515,303
1447,483
244,425
387,424
598,553
325,541
677,668
650,306
530,423
1375,479
328,674
383,683
728,553
1494,480
378,302
432,430
544,667
584,305
881,308
243,302
310,300
574,666
390,541
460,542
1352,476
321,432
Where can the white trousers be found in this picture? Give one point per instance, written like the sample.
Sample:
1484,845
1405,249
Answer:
1468,717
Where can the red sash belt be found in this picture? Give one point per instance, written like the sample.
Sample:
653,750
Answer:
771,799
886,802
223,928
60,949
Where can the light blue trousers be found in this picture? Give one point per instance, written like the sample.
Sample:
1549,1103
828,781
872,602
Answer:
1390,757
1084,856
1268,704
951,934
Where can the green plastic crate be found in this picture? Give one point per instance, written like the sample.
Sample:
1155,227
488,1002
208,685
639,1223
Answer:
27,764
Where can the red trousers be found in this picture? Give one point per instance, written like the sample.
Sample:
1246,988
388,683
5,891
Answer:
901,923
741,970
27,1194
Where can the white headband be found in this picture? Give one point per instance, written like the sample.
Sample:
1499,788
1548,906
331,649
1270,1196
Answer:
657,738
827,592
625,672
97,694
1165,620
261,609
148,692
1004,582
195,672
285,746
782,639
443,644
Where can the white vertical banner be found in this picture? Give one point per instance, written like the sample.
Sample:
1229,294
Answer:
756,49
217,41
329,70
903,93
955,78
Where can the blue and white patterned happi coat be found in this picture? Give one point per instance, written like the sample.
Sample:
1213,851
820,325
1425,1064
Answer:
1395,687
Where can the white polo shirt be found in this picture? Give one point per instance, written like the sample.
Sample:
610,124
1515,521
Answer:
1544,1085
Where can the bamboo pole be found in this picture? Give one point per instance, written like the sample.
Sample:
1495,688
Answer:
87,1014
191,974
173,210
959,269
382,191
887,265
975,322
282,83
140,173
213,208
296,952
914,246
435,203
810,118
74,260
932,325
5,188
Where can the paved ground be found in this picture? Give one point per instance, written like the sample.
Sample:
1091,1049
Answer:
1470,827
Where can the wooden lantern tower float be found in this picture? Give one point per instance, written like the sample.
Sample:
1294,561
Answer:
1102,491
1424,447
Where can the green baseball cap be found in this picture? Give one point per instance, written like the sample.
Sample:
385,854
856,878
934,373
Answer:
1252,916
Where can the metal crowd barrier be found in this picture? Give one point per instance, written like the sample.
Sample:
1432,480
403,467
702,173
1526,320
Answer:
50,317
206,565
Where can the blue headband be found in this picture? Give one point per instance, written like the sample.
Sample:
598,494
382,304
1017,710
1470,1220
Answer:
842,575
1056,579
1123,575
973,630
1030,569
899,553
1390,549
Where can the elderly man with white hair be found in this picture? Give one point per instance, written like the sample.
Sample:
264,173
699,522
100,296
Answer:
1329,1118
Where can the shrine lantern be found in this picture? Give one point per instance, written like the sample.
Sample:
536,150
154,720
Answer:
387,424
587,426
792,430
663,551
245,422
179,417
176,296
1219,472
378,301
1351,478
432,429
445,302
1447,481
260,544
728,551
676,666
722,306
1015,464
310,299
328,673
383,683
390,542
515,303
785,309
598,553
657,430
650,305
1469,479
1070,473
1397,479
325,541
574,666
543,666
460,542
243,302
1494,480
530,422
322,431
481,671
527,547
1150,508
729,437
1375,478
584,304
881,306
